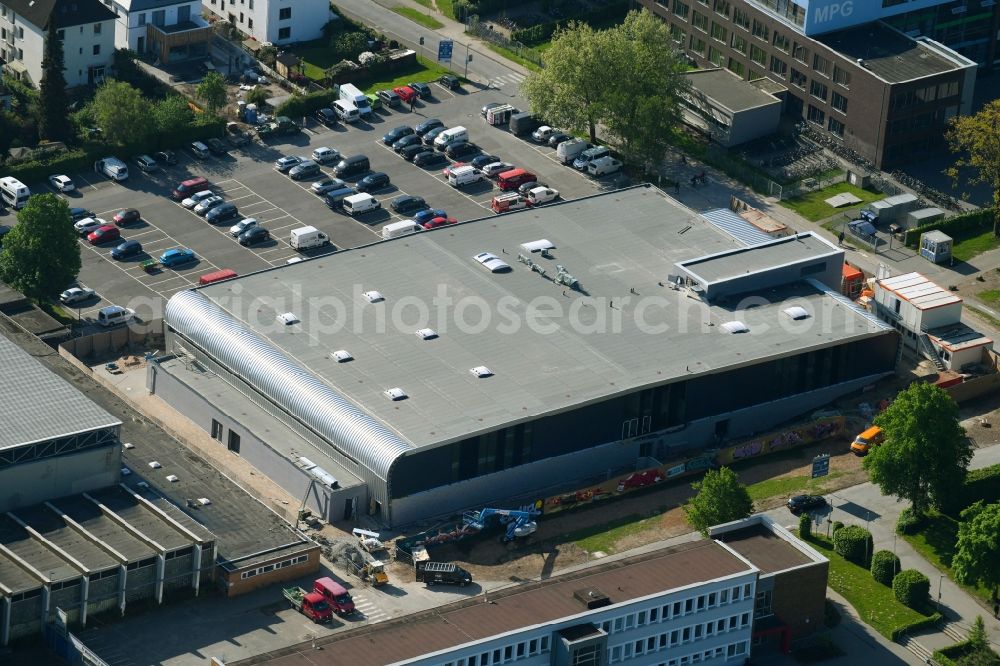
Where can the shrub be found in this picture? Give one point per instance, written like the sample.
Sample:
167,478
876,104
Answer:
805,527
884,567
911,588
67,162
836,526
980,484
304,105
909,522
854,543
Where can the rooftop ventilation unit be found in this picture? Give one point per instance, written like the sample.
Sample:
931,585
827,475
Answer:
592,598
563,277
155,465
172,478
288,319
481,371
204,501
796,312
129,445
318,473
735,327
426,333
342,356
395,394
374,296
538,246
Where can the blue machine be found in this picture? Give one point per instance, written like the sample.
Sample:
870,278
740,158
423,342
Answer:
519,522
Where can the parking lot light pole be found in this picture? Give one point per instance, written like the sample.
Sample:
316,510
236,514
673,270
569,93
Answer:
468,59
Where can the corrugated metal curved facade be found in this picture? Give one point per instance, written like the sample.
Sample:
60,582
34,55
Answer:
285,382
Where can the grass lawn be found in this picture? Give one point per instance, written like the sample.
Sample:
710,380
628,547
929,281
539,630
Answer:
874,602
604,537
425,70
813,207
510,55
967,247
787,486
417,16
446,7
429,4
985,316
936,543
990,296
58,312
317,54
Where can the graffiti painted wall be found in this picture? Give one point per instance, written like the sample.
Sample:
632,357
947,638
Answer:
808,433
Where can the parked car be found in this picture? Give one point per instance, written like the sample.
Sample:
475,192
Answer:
104,234
397,133
527,187
801,503
374,101
197,198
253,235
216,146
304,169
285,164
208,204
325,185
543,133
187,187
165,157
542,195
388,97
242,226
127,216
496,168
408,140
482,160
557,138
199,150
176,257
430,158
373,182
327,116
76,295
226,211
426,126
146,163
422,89
406,93
429,136
62,183
450,82
130,248
77,214
237,137
460,149
407,203
325,155
88,224
603,166
439,222
486,108
409,152
425,216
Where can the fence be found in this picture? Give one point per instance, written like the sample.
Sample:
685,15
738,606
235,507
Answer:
69,647
807,185
486,32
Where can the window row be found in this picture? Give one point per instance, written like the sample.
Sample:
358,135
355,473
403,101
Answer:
506,654
734,650
678,609
271,567
669,639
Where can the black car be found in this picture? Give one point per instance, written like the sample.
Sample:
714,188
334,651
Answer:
127,216
428,125
79,213
408,140
422,89
429,137
394,135
557,138
459,149
226,211
407,203
373,182
410,152
165,157
254,235
327,117
801,503
482,160
216,146
129,248
450,82
527,187
430,158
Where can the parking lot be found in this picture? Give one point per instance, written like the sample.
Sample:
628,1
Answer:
246,177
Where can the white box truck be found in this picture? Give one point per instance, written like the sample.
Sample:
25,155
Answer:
305,238
113,168
350,93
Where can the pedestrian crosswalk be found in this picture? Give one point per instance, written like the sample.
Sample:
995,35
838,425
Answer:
367,608
513,79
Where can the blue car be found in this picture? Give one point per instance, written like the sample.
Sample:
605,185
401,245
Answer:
425,216
176,257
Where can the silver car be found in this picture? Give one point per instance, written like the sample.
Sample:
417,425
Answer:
321,187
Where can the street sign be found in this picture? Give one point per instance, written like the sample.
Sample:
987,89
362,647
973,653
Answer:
821,465
445,47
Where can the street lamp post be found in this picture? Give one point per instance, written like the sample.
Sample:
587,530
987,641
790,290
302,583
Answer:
940,579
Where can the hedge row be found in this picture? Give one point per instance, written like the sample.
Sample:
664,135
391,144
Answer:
542,32
35,170
917,625
977,220
980,484
297,106
464,8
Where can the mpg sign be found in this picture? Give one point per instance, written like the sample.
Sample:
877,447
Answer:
828,15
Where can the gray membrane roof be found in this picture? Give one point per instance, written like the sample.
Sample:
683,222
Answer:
89,516
25,546
621,246
39,404
142,518
52,527
891,55
729,90
790,249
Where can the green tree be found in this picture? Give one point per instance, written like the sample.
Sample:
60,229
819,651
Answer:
570,90
912,588
123,113
721,498
53,121
212,89
172,114
977,635
257,96
976,139
349,45
41,254
977,550
805,527
926,453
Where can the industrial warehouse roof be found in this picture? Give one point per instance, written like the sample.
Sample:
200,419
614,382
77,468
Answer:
621,247
39,405
517,608
775,252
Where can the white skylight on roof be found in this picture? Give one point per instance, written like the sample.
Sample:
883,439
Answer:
796,312
395,394
288,318
342,356
735,327
374,296
481,371
426,333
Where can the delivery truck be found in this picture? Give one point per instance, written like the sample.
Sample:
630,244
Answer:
305,238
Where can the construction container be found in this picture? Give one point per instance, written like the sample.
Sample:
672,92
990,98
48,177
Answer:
922,216
852,281
935,246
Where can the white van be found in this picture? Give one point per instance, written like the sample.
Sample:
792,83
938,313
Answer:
304,238
200,150
452,134
14,193
360,203
465,175
570,150
113,168
114,315
349,93
397,229
347,112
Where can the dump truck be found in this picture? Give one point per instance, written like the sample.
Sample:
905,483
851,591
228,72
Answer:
310,604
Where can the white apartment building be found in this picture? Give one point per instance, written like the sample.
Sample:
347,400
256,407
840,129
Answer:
174,30
86,27
274,21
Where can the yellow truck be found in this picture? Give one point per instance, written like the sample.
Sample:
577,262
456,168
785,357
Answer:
867,440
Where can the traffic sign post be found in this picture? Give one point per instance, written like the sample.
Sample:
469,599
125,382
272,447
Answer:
445,47
821,465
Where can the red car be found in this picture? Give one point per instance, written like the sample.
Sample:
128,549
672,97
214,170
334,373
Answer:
104,234
406,93
127,216
439,222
